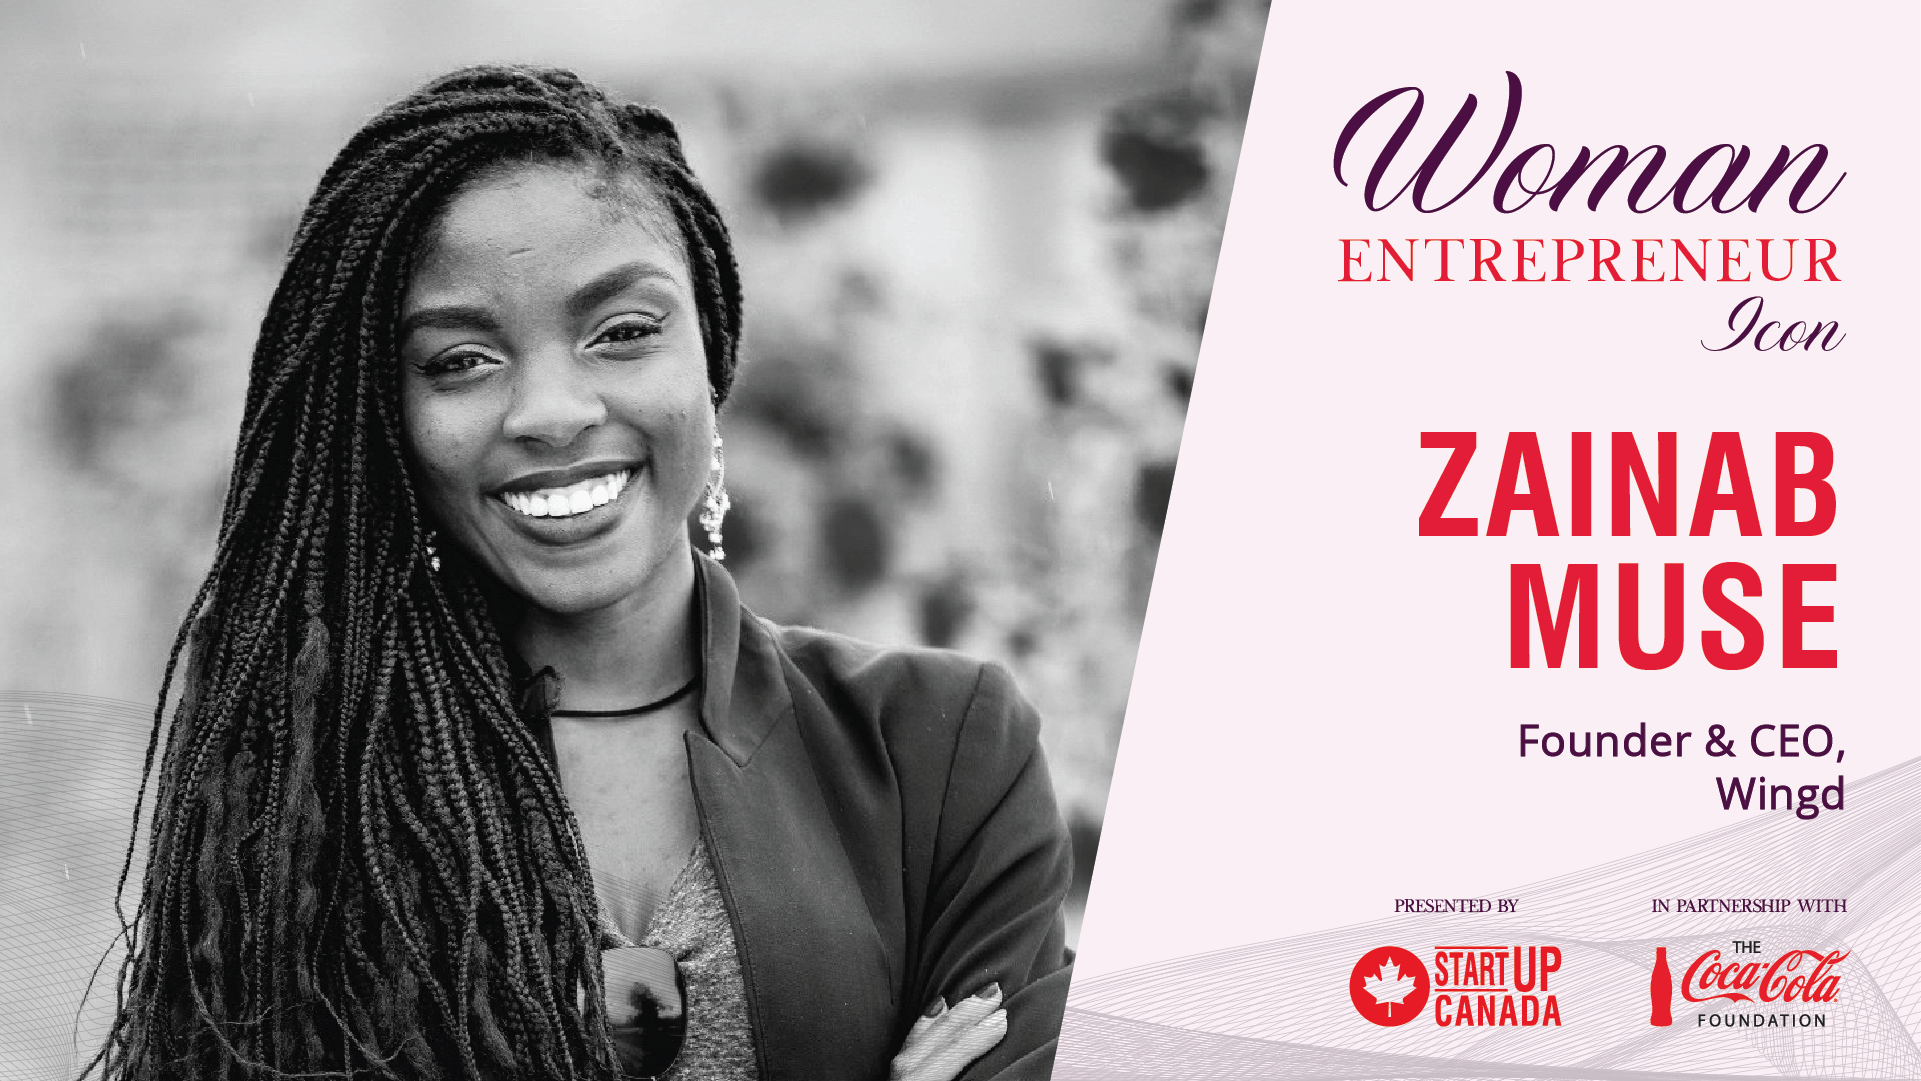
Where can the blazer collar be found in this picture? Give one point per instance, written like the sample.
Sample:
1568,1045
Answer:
820,982
743,683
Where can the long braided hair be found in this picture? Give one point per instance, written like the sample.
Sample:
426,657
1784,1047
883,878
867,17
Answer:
361,863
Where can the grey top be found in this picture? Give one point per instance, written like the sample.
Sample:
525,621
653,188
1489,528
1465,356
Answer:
693,925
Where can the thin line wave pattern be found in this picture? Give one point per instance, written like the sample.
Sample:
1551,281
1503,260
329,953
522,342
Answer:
1281,1010
69,770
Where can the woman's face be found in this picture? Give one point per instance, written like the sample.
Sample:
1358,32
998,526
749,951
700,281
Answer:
554,385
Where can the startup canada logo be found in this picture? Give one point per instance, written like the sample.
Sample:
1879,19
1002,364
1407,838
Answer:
1494,986
1805,977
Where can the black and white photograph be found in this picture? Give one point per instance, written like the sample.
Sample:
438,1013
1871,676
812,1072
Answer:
583,541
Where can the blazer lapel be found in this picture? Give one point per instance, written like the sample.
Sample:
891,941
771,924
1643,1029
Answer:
819,985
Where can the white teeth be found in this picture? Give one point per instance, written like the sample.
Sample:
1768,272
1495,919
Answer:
571,500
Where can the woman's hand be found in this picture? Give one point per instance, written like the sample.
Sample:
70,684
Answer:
944,1042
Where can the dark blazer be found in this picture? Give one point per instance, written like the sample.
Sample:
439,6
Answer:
884,832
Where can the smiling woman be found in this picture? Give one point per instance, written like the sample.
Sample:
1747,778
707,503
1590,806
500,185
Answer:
479,770
555,393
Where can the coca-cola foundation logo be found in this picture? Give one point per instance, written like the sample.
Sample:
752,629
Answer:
1795,976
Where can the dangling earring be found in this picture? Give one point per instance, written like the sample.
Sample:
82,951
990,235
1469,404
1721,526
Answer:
714,509
433,551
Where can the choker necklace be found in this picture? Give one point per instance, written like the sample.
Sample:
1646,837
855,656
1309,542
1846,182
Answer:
636,711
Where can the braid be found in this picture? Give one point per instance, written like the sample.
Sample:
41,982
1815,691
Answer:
361,863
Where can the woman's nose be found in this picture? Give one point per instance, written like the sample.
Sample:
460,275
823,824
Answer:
555,399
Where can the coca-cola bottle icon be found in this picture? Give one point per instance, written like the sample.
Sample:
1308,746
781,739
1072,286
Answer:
1661,989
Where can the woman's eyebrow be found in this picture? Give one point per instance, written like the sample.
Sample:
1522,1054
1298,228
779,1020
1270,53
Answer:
609,284
614,282
448,317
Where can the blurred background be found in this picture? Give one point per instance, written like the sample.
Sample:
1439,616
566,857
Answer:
977,240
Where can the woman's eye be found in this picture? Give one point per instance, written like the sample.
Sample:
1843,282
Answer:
452,364
627,331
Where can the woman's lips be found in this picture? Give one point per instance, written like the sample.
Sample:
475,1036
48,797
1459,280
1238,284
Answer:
599,500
